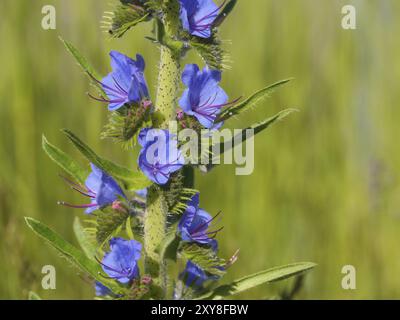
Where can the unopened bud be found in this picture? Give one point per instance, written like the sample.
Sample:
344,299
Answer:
146,280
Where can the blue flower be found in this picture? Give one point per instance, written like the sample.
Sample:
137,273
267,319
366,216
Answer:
142,193
203,98
194,225
102,290
198,16
126,82
101,188
160,156
194,276
121,262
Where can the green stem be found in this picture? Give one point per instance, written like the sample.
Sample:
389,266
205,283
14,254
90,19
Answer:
168,81
157,207
154,233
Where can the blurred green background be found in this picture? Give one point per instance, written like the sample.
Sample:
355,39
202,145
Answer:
326,182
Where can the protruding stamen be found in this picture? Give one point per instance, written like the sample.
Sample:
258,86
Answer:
83,206
206,223
233,259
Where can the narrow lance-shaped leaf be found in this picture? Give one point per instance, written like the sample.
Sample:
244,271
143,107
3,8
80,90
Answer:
126,15
65,161
204,257
169,246
133,180
243,135
251,102
109,224
120,31
86,238
84,64
254,280
128,228
73,254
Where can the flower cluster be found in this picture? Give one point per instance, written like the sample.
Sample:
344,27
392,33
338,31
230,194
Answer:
138,219
202,100
121,262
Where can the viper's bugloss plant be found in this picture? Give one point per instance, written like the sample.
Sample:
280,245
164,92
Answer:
145,235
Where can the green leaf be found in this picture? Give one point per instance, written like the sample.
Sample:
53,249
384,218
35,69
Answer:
33,296
204,257
133,180
169,246
86,238
126,15
254,280
109,223
128,228
257,127
125,20
65,161
84,64
124,126
72,254
261,126
237,140
211,52
252,101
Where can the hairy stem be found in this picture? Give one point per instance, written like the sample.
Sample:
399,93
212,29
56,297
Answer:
167,90
154,233
168,80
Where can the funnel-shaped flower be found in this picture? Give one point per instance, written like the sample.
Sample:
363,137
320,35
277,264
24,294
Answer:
194,225
194,276
203,98
102,290
160,156
101,188
126,82
121,262
198,16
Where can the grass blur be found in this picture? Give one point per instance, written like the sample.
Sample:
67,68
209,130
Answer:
326,181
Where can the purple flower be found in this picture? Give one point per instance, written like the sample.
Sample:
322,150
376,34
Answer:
102,290
194,276
203,98
121,262
142,193
160,156
194,225
101,188
126,82
198,16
